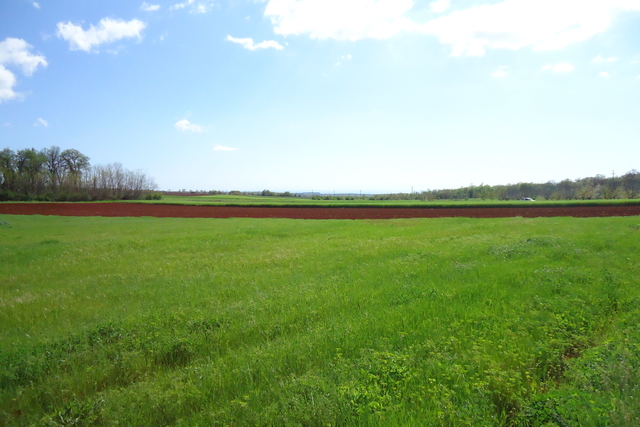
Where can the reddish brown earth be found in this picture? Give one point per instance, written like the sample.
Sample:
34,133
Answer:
173,211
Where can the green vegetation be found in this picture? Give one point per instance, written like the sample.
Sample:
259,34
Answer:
237,200
250,322
598,187
626,186
54,175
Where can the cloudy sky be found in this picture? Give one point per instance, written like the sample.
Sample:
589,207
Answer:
324,95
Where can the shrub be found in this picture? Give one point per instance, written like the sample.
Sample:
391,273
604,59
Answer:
153,195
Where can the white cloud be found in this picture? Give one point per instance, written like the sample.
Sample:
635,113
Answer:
347,57
223,148
36,5
440,6
515,24
562,67
501,72
600,60
200,7
41,122
511,24
109,30
186,125
248,43
340,19
7,82
149,7
181,5
15,52
604,74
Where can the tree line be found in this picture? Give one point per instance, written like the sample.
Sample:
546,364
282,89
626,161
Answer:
626,186
52,174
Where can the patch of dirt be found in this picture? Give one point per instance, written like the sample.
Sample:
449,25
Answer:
173,211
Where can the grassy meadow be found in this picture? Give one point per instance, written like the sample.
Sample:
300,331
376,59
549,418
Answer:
277,322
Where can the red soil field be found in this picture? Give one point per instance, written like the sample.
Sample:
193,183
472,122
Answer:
176,211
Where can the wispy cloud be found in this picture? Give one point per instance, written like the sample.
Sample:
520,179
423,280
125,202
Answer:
562,67
186,125
508,24
604,74
339,19
501,72
515,24
194,7
15,53
107,31
36,5
347,57
248,43
178,6
149,7
440,6
41,122
223,148
600,60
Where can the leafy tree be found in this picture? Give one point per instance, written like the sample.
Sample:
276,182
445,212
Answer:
75,162
7,168
631,182
30,165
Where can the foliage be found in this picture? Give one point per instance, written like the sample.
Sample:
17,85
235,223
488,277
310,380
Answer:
153,195
51,174
626,186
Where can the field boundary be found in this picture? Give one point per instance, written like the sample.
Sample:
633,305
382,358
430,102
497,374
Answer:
306,212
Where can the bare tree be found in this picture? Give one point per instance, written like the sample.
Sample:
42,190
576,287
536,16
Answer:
56,166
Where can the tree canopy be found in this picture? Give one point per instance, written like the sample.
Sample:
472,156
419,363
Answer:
55,174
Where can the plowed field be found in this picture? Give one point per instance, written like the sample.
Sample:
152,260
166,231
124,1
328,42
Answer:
181,211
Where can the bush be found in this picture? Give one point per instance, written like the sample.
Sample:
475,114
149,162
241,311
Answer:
6,196
79,197
153,195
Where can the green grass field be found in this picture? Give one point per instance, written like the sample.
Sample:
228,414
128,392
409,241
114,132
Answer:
276,322
225,200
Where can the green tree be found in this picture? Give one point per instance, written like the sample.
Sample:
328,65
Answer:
76,163
30,165
631,182
7,168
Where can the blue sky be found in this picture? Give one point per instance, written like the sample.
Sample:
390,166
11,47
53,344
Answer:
327,95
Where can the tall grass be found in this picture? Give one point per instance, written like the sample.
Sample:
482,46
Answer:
249,322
